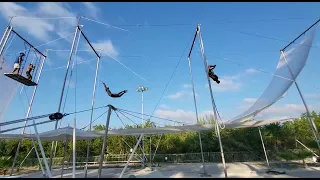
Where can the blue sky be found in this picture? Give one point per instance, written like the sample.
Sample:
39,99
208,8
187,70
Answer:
149,40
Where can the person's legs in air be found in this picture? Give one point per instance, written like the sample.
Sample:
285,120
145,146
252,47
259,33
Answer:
122,93
216,79
16,67
29,75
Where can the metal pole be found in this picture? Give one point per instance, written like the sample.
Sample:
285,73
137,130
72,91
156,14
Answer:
27,115
40,163
104,142
213,104
26,157
150,153
143,155
35,127
196,109
307,148
62,91
74,149
91,116
264,149
312,124
134,150
64,156
154,154
5,38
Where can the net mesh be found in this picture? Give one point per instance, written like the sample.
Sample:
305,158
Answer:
295,58
8,87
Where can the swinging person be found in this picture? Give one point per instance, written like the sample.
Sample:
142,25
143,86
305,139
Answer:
111,94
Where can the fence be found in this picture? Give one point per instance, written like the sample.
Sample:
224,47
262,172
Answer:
214,157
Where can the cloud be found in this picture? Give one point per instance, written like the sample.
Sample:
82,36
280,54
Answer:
251,70
164,106
188,117
249,100
230,83
227,84
187,86
71,85
92,9
38,28
107,47
312,95
41,29
181,94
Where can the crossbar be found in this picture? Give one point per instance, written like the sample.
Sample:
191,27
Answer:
28,43
85,37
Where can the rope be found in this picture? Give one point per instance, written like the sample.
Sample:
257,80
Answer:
152,116
96,119
13,36
251,68
66,66
104,23
126,67
25,60
50,42
137,117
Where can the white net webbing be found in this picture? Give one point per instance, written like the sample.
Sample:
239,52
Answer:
296,58
8,87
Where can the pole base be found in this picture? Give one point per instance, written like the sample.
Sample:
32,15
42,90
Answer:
205,175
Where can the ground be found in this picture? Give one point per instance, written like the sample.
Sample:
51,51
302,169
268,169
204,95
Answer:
190,170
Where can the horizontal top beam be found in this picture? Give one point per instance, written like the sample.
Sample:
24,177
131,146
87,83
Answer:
300,35
29,43
85,37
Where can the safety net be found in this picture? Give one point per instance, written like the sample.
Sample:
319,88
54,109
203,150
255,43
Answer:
8,87
289,66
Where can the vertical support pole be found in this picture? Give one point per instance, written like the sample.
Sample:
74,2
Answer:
197,116
103,150
91,116
62,91
35,127
154,154
5,39
64,157
27,115
131,155
212,101
26,157
264,149
150,153
74,149
40,163
312,124
142,109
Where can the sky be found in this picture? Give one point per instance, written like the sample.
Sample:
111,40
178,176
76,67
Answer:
142,44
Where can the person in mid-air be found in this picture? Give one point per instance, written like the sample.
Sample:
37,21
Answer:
111,94
17,63
29,69
212,75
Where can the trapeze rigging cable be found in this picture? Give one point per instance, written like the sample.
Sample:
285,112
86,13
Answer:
82,17
171,76
126,67
152,116
136,117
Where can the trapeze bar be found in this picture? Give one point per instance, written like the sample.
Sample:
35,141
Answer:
28,43
20,79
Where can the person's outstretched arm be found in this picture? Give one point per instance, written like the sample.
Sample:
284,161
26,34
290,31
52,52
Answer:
211,67
107,89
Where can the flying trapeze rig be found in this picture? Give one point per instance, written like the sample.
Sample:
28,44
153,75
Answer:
34,69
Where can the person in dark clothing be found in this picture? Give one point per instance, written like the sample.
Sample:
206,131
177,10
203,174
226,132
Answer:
212,75
29,69
17,63
111,94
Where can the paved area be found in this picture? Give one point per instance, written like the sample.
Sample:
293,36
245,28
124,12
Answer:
189,170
